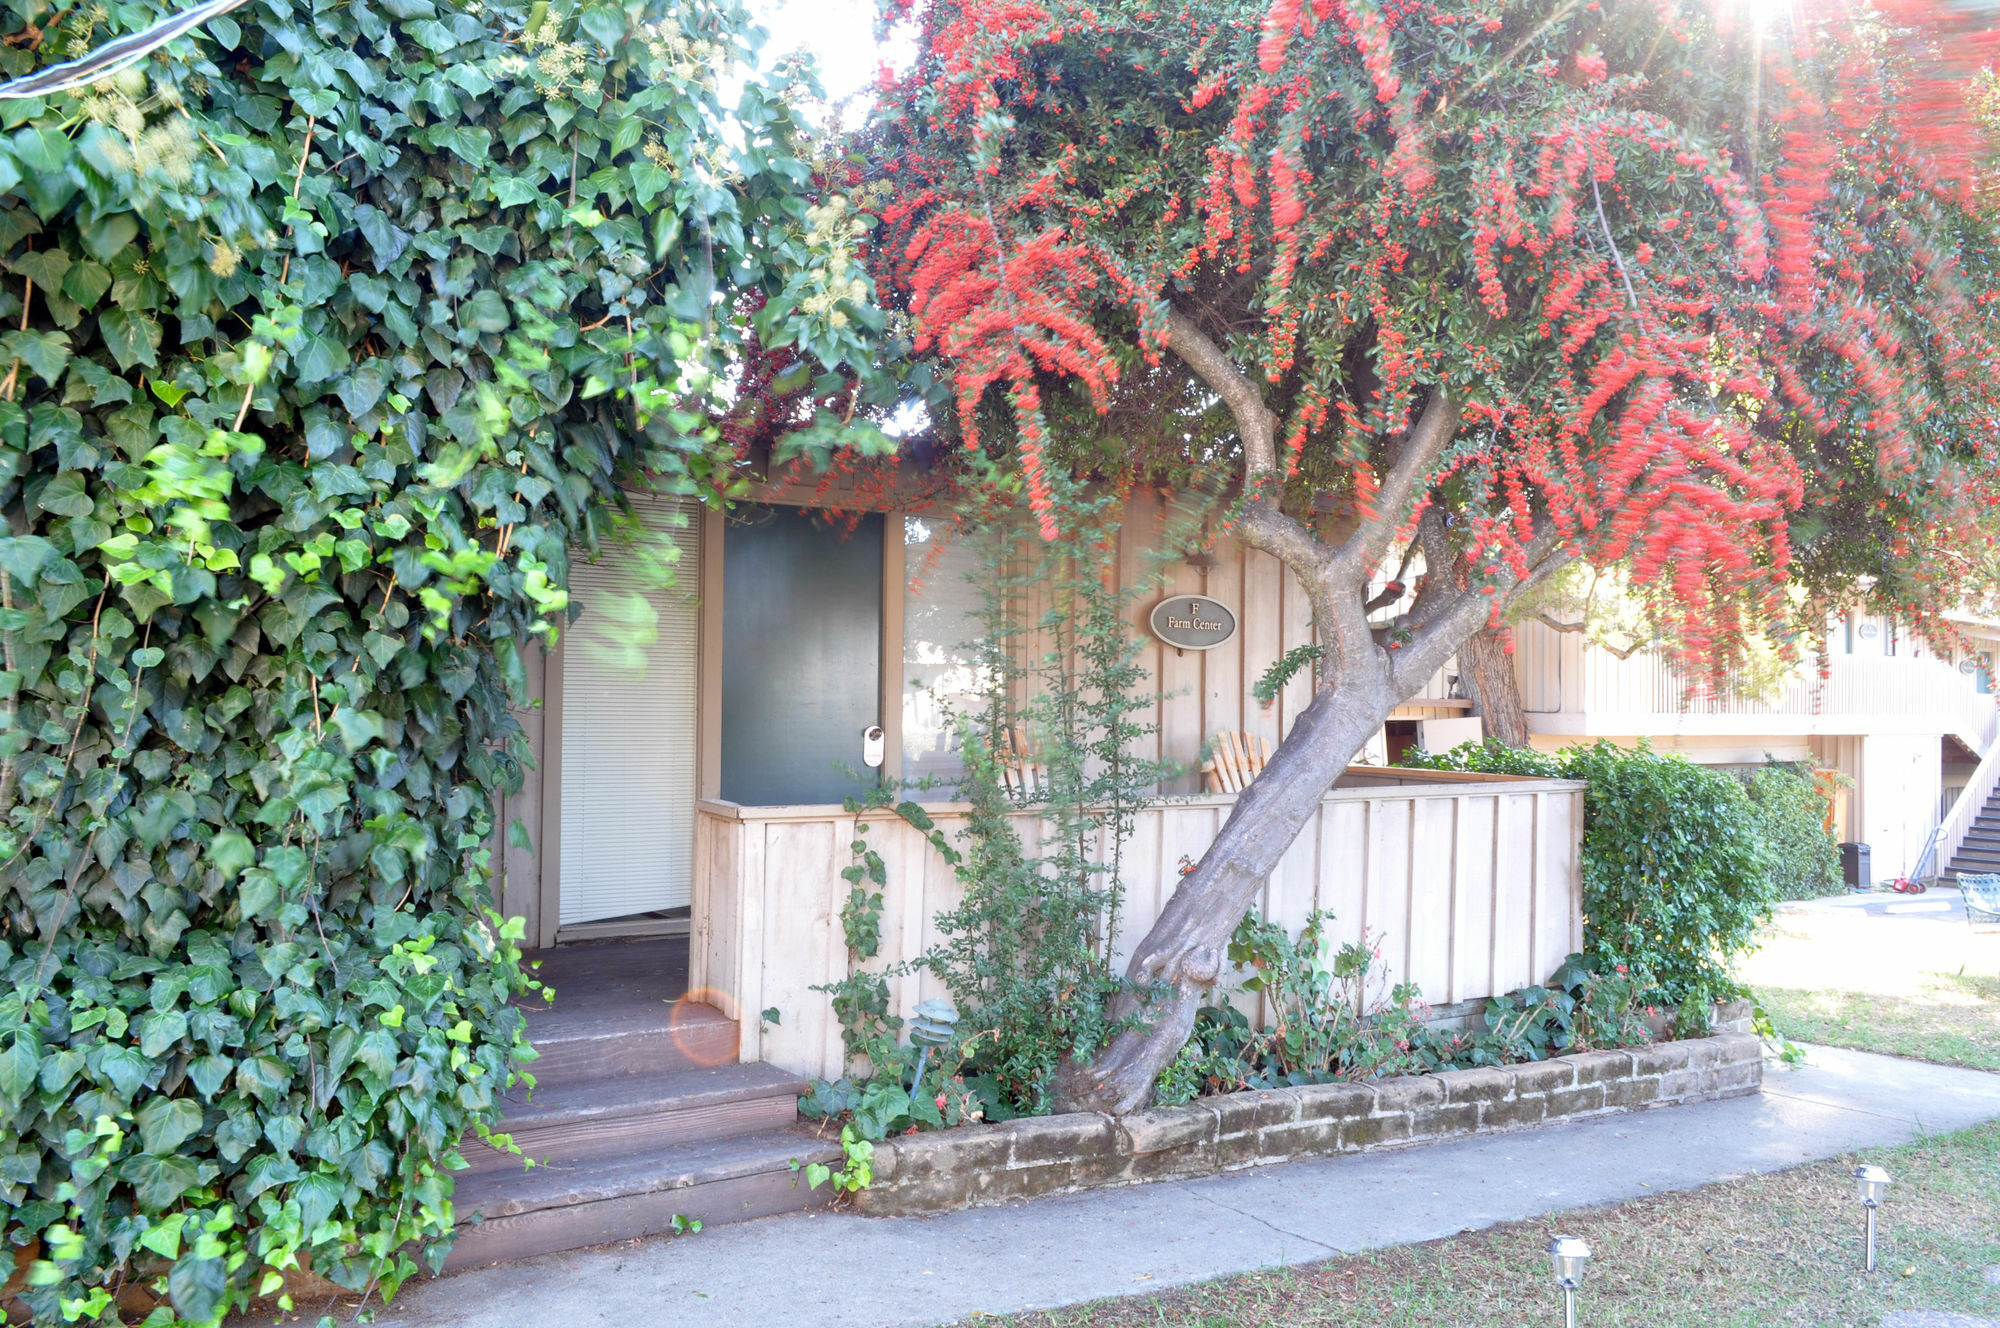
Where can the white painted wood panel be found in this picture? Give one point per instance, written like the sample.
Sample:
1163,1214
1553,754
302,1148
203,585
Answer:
1473,887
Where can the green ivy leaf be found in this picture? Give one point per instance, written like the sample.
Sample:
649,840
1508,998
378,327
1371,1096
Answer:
166,1122
197,1286
209,1074
65,496
318,1196
44,352
485,312
163,1237
158,1181
232,853
124,1068
133,339
160,1031
263,1077
20,1065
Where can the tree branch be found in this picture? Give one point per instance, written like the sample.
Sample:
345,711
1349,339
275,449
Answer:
1542,616
1421,447
1396,587
1255,422
1264,524
1455,615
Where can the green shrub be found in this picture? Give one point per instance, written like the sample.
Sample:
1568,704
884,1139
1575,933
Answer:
318,326
1791,820
1026,953
1676,880
1340,1018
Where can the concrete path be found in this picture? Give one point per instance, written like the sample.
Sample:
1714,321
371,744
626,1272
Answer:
875,1272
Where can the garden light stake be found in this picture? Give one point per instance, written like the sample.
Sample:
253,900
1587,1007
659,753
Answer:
1567,1257
1873,1183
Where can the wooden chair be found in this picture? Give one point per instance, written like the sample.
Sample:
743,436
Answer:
1021,769
1235,760
1982,900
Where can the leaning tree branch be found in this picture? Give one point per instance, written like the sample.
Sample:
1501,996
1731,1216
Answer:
1457,614
1408,477
1264,524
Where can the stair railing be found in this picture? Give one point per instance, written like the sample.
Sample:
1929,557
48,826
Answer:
1930,851
1957,823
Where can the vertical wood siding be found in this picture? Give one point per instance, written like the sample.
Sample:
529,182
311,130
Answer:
1470,889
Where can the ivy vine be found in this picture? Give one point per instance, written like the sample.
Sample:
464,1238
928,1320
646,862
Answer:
329,333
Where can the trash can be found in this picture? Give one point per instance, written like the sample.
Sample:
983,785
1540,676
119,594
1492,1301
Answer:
1854,867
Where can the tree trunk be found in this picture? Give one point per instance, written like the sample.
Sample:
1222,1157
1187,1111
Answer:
1487,670
1182,957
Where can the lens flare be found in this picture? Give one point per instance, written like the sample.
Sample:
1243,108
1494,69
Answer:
703,1030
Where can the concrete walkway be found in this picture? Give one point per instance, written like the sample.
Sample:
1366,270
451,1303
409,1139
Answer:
875,1272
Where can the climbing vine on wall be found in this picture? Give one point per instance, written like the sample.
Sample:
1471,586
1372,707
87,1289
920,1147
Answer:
327,334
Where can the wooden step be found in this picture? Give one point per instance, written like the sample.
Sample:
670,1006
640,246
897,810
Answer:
608,1199
566,1123
578,1043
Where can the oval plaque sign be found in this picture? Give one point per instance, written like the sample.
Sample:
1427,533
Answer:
1193,622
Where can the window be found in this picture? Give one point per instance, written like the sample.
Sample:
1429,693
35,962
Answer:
942,675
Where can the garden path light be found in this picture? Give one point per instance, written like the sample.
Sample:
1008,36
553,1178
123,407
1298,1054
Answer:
1568,1256
1873,1183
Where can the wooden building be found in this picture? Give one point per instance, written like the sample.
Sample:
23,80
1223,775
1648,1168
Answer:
684,835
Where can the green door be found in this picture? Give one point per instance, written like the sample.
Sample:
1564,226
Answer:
801,655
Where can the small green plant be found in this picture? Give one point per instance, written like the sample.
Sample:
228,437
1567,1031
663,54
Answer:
1581,1008
1328,1019
856,1171
1790,1052
1183,1079
686,1226
1273,680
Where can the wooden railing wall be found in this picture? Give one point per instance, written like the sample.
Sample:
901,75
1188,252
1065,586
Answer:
1472,886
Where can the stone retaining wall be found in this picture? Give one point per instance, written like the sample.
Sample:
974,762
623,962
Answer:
983,1164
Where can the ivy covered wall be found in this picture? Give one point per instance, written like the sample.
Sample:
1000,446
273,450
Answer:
327,331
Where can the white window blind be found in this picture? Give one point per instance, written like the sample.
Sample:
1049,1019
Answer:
628,723
942,675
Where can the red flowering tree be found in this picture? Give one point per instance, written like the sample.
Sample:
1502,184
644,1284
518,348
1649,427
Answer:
1461,292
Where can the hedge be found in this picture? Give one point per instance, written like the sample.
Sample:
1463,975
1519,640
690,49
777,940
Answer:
1675,874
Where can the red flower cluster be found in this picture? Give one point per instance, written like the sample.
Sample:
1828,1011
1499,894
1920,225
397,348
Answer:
1673,333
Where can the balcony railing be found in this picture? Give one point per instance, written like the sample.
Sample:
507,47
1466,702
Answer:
1559,674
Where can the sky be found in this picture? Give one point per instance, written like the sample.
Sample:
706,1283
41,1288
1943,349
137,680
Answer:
841,33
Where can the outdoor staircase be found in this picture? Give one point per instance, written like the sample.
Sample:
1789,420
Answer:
640,1114
1981,850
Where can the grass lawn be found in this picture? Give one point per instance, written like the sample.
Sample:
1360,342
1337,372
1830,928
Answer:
1777,1249
1914,984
